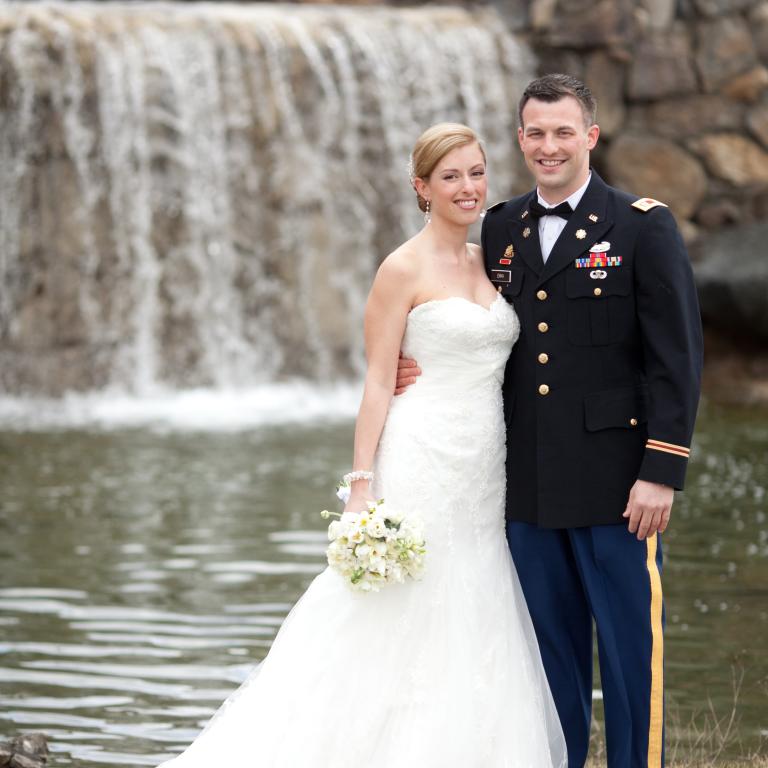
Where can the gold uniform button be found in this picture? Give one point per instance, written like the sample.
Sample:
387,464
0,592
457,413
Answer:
543,327
543,358
633,422
541,295
543,389
598,291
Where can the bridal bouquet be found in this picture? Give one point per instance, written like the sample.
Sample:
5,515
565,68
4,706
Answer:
375,547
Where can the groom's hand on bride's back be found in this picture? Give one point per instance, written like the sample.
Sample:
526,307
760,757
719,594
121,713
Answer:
407,373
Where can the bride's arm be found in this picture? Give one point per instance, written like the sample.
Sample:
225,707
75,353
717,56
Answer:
386,312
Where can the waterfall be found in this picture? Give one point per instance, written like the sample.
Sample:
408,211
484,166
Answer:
198,195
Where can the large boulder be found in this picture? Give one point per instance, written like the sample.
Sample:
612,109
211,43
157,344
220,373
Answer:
714,8
659,14
758,23
733,158
749,86
725,49
662,66
757,120
30,750
732,280
687,116
583,24
605,75
652,167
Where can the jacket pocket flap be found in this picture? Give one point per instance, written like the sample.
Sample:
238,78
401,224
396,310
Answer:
624,408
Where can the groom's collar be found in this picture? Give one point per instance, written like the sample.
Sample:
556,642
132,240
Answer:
573,200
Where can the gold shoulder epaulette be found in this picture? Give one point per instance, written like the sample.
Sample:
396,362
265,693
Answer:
645,204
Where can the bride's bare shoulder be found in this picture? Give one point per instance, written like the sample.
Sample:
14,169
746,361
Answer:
403,263
397,278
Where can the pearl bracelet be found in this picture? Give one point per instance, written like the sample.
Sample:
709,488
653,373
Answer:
358,474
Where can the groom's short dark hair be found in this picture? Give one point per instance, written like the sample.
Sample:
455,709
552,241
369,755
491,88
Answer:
554,87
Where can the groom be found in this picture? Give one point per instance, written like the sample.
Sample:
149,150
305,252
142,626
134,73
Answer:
600,398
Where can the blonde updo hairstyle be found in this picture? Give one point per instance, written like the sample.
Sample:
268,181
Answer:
433,145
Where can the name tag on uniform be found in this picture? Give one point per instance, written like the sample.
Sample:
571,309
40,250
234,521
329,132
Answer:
501,275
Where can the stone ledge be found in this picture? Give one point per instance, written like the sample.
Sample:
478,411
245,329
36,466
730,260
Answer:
30,750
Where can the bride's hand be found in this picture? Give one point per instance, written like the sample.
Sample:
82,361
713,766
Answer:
358,499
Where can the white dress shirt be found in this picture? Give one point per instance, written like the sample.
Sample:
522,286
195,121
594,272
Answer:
550,227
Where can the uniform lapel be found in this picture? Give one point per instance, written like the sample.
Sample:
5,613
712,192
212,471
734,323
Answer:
524,231
589,222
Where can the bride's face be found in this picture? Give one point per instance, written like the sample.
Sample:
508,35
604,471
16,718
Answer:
457,187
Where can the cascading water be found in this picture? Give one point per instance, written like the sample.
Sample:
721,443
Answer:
199,195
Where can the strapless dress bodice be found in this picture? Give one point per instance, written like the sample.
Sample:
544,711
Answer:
459,345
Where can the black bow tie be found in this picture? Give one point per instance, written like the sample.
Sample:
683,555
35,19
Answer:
537,210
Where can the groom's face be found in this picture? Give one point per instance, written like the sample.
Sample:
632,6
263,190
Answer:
556,140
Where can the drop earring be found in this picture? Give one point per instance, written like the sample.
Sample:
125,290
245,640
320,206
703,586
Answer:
427,215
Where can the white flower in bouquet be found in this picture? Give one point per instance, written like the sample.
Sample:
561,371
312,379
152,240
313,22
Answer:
375,547
377,528
343,491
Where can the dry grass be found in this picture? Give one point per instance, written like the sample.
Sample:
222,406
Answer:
710,739
759,762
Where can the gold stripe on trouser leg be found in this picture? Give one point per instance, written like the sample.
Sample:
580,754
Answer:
656,729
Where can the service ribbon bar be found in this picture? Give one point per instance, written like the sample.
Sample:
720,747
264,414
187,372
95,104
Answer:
598,260
675,450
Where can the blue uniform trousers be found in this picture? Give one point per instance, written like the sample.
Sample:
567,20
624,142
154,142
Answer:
570,576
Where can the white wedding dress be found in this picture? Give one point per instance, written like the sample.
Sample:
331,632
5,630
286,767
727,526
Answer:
440,673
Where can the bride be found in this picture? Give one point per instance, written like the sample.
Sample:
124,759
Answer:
443,672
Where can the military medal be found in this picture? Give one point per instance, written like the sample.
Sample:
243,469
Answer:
509,253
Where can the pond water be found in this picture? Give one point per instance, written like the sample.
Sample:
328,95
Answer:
144,571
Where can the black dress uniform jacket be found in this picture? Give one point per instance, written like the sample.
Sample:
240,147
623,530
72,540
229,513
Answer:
603,384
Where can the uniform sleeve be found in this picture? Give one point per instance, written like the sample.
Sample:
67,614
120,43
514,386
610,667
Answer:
670,326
